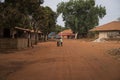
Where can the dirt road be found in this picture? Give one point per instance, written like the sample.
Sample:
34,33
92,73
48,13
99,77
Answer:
75,60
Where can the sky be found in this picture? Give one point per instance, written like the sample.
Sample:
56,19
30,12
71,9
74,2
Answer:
112,10
2,0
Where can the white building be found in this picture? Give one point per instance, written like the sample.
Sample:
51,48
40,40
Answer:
108,31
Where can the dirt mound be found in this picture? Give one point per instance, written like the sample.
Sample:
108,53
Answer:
115,52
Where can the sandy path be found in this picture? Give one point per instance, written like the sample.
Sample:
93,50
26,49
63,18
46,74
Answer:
76,60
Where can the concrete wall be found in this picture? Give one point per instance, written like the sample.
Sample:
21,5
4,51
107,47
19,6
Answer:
112,34
103,35
8,43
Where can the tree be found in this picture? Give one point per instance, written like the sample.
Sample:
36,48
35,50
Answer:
81,15
59,28
16,12
11,17
27,14
49,22
45,20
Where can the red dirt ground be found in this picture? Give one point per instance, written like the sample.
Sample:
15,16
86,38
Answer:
76,60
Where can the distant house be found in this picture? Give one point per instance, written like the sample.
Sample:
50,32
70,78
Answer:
108,31
67,34
51,35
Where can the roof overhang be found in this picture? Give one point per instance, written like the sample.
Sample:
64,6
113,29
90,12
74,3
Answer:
23,29
28,30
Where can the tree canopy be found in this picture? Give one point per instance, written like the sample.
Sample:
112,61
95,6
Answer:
47,21
59,28
16,12
27,14
81,15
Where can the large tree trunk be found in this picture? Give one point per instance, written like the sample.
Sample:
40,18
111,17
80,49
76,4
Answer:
76,34
45,38
13,32
36,38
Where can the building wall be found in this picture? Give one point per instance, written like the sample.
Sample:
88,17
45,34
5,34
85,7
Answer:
8,43
112,34
22,43
103,35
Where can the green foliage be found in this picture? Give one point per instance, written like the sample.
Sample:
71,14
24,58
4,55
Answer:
81,15
24,6
27,14
11,17
16,12
59,28
46,19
